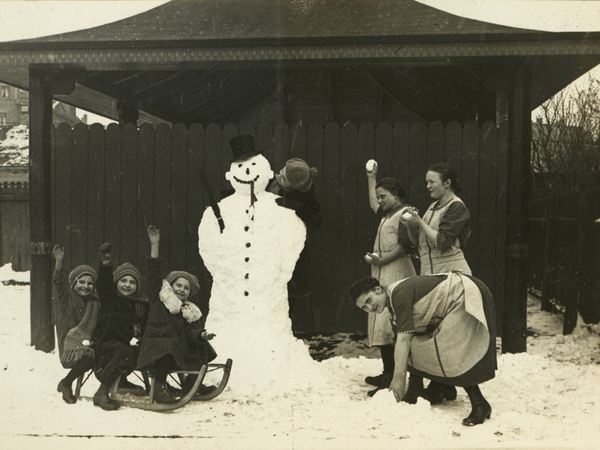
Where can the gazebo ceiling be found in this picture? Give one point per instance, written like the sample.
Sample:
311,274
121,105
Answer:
209,60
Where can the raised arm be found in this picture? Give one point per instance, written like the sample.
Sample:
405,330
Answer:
105,280
154,262
59,279
371,183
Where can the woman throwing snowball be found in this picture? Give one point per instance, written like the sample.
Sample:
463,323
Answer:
390,261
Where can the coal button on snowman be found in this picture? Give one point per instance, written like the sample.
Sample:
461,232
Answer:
256,334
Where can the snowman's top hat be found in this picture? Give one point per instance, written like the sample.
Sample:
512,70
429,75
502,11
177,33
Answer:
243,148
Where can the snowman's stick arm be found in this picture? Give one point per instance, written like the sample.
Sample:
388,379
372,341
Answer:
211,196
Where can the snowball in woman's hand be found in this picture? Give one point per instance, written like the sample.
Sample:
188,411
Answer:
85,342
371,164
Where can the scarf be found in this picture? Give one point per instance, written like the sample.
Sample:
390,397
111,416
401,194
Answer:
77,342
190,312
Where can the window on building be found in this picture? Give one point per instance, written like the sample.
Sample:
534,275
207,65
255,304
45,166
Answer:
5,91
2,119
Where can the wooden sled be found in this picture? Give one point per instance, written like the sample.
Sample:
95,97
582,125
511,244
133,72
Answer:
144,399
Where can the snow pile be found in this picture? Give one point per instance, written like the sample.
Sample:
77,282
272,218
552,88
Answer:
14,150
9,276
539,399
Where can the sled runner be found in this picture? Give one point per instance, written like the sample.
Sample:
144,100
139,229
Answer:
143,398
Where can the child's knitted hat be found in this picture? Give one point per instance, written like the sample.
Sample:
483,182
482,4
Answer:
194,284
80,271
296,175
128,269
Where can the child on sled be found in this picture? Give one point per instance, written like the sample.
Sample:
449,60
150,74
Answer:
175,338
123,314
77,308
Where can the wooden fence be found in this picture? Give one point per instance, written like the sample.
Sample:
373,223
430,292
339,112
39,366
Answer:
564,249
14,225
106,182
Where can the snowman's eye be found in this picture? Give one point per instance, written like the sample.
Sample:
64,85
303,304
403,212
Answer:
239,165
253,164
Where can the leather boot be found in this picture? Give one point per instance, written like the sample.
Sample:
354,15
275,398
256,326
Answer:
162,394
67,393
384,380
415,389
437,392
102,399
480,408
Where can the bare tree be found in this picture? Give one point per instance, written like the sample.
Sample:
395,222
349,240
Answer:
566,141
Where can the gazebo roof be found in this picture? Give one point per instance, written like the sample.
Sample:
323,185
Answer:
176,50
230,22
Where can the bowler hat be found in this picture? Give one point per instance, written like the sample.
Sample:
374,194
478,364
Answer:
243,148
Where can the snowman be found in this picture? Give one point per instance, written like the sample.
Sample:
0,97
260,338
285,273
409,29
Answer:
251,262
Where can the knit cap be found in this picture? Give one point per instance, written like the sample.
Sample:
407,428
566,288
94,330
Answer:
80,271
128,269
296,175
194,284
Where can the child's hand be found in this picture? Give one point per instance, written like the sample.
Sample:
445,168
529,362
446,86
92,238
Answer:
206,336
153,234
106,250
58,252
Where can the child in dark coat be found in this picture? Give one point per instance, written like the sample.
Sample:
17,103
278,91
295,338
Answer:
175,338
123,314
77,308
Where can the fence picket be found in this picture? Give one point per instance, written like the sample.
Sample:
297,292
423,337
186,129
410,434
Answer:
79,186
129,185
64,161
469,176
162,189
95,193
145,195
178,193
112,183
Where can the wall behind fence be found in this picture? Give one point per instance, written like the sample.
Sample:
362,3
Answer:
14,225
106,183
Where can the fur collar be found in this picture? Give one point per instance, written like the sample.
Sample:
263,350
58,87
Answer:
190,312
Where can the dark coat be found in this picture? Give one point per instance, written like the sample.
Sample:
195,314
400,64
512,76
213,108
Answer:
121,318
69,307
171,334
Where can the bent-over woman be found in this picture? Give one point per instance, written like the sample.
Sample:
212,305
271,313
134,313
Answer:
445,331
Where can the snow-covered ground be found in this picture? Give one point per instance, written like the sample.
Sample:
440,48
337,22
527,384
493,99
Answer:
546,398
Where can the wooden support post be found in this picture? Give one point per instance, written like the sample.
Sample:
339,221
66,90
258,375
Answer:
40,123
514,338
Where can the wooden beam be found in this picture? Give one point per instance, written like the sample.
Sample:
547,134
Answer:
40,124
514,339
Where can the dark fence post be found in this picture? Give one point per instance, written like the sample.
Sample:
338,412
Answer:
40,123
514,338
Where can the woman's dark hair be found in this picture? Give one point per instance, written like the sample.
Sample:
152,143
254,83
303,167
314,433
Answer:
393,186
447,173
361,286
